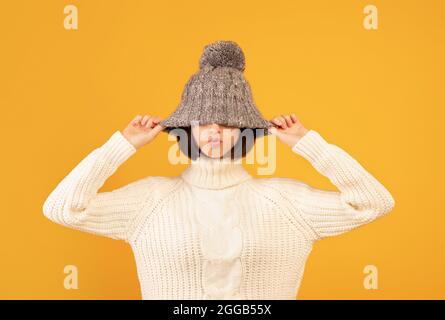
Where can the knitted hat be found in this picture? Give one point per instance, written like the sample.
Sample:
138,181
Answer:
218,92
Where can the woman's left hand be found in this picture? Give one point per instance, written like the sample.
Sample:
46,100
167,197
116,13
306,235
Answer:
288,129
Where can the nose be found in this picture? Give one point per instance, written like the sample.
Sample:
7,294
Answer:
213,133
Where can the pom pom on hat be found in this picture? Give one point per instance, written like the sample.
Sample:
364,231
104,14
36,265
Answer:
223,54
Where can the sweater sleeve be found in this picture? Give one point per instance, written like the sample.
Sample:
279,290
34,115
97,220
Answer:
360,198
76,202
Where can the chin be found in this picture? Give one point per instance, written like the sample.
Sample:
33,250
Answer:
213,153
213,156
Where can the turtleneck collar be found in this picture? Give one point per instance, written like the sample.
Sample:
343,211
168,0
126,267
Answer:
211,173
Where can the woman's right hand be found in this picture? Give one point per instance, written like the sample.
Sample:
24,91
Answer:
142,130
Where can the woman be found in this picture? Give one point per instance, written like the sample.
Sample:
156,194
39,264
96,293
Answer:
215,232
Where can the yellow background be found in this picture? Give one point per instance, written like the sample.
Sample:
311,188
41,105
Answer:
375,93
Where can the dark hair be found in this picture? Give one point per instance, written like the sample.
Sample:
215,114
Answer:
188,145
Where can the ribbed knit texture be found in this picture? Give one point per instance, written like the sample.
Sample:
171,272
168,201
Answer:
215,232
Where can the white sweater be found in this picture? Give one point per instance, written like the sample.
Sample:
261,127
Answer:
215,232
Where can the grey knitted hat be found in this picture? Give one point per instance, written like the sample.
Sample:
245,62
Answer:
218,92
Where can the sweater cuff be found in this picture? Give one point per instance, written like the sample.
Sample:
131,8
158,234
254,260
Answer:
118,148
312,146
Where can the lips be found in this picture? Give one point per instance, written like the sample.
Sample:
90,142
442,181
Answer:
214,138
214,142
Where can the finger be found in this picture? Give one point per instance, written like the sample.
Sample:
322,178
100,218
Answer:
294,118
276,121
156,119
289,122
144,120
277,132
156,122
136,120
158,128
283,120
150,123
284,137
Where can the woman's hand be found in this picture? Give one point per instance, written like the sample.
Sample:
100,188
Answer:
142,130
288,129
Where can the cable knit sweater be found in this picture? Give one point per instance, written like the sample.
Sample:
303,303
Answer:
215,232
